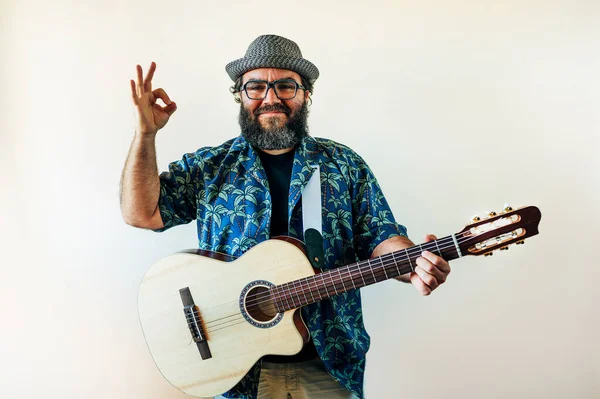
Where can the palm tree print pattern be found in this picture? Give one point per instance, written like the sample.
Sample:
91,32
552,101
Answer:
225,189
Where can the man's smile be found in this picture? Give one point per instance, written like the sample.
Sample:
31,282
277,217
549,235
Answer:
271,113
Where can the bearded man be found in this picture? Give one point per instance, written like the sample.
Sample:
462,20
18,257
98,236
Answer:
248,190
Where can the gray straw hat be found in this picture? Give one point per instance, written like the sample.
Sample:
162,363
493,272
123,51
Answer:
272,51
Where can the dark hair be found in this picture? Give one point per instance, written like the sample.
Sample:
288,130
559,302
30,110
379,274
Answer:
237,87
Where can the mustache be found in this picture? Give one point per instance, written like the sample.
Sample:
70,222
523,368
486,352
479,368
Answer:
273,108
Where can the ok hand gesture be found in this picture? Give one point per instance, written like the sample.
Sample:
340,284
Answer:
150,116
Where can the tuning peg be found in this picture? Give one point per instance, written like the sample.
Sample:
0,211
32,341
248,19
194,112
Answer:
504,248
488,254
520,242
507,208
492,214
476,218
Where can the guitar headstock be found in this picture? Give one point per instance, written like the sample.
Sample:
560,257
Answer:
498,231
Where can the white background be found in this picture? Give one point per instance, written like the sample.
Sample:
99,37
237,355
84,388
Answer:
458,107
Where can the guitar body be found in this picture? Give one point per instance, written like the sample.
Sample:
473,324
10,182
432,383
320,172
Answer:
236,339
208,318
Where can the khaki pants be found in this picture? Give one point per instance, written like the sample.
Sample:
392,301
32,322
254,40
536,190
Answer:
301,380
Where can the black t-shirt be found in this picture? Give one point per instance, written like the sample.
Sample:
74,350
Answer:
279,174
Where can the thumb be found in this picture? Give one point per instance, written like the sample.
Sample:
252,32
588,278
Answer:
169,109
430,237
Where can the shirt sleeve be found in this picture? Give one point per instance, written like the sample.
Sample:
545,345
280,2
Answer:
178,192
372,217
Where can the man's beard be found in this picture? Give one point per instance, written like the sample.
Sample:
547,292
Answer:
274,137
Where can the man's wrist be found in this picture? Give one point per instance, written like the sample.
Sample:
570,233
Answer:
144,137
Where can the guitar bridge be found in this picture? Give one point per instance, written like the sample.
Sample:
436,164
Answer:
194,322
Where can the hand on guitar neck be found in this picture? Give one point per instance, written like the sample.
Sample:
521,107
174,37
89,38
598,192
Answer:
431,270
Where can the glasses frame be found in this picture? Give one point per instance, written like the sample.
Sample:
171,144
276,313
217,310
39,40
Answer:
272,85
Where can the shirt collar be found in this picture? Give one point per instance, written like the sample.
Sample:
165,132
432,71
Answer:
306,154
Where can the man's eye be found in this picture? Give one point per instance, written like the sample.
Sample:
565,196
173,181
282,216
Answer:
286,86
256,87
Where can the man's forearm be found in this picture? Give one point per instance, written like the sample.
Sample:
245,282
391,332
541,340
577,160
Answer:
392,245
140,185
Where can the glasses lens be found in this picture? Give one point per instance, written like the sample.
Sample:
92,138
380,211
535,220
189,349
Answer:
286,90
256,90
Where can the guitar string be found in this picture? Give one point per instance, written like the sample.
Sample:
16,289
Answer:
381,267
378,267
263,297
303,285
378,275
432,245
378,270
241,319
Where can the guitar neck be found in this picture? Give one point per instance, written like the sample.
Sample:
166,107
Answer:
324,285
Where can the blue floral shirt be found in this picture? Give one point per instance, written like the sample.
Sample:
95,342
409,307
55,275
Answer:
225,189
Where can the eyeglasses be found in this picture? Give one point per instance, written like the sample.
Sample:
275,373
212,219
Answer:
285,89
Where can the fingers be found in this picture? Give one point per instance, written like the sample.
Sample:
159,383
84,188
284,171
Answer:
419,285
436,261
143,85
149,75
140,82
430,274
169,109
171,106
430,237
431,270
134,94
430,279
160,93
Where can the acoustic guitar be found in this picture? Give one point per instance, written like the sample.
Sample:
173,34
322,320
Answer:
209,317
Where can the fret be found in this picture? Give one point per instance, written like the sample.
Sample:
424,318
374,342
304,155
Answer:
304,292
310,289
438,247
396,263
384,271
362,275
341,278
296,290
325,284
291,292
286,299
352,278
318,288
409,261
370,267
330,276
275,296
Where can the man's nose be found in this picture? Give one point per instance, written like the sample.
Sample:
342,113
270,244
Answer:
271,97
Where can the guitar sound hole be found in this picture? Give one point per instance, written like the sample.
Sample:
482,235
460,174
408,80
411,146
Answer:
259,304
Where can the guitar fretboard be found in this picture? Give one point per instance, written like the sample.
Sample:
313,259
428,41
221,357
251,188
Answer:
305,291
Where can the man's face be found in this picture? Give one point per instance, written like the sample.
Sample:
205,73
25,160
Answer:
271,123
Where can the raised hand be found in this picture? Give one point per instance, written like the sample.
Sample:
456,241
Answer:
151,117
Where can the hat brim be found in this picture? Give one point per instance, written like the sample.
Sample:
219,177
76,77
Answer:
299,65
